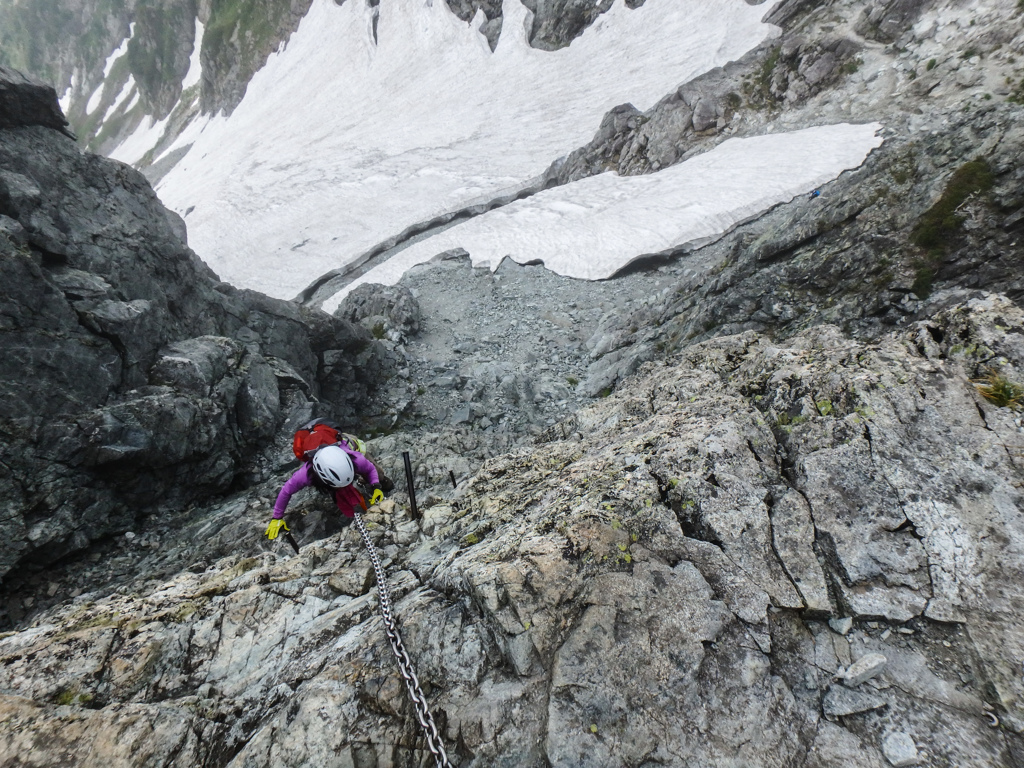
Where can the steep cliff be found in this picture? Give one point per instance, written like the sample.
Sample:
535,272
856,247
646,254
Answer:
132,380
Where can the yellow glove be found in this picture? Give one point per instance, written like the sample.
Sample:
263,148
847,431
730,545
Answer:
275,527
377,496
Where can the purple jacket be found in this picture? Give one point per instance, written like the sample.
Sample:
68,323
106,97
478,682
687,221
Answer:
347,498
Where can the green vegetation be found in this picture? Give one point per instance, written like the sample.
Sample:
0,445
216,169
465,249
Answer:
758,87
378,331
902,172
764,75
155,53
852,65
999,390
787,422
940,223
34,36
27,30
70,696
1017,95
931,64
66,698
923,278
572,381
185,610
236,20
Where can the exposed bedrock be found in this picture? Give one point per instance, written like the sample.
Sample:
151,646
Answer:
784,553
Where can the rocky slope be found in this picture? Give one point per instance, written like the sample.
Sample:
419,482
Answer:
786,554
755,503
938,207
131,380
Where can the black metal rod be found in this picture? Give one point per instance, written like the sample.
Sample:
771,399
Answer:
410,485
291,540
452,476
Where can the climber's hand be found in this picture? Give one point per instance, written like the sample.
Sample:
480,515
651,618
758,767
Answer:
377,496
275,527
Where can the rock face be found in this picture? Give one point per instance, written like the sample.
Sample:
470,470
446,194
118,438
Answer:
785,534
936,209
390,311
24,101
130,378
655,592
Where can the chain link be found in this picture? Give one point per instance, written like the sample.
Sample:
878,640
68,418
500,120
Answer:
412,684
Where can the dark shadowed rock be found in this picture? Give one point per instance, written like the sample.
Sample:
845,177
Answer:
27,101
129,376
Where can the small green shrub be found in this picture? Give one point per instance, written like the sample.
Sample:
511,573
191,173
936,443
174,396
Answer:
970,53
924,276
378,331
1017,95
572,381
758,87
941,222
69,696
931,64
852,65
999,390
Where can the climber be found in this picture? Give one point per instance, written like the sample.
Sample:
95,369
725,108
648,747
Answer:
332,470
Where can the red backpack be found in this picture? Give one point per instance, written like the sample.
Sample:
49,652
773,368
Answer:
316,434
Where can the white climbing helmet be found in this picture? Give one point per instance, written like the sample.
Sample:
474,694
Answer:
334,466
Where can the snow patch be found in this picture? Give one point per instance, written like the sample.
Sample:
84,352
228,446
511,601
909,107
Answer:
188,136
594,227
142,140
65,100
121,50
195,67
127,89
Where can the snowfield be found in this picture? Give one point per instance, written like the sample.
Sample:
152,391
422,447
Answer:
596,226
342,142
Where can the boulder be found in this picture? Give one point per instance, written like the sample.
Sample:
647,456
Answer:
385,311
26,101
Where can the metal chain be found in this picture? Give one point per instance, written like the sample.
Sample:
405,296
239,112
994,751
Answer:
412,684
